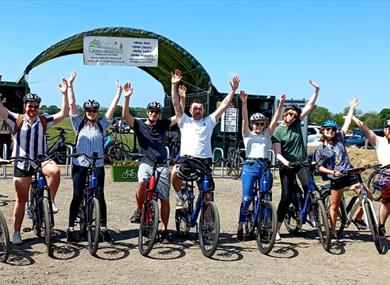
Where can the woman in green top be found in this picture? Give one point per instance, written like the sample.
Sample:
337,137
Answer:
289,147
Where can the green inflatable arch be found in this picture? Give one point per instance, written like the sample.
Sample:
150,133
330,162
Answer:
170,56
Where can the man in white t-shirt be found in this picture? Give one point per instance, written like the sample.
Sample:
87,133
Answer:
382,146
196,131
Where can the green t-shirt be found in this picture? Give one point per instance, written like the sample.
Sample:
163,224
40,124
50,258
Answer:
291,141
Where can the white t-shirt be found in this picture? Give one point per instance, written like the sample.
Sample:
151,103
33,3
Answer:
257,145
382,146
196,136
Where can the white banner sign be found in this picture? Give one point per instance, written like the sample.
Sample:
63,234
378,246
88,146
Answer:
229,120
120,51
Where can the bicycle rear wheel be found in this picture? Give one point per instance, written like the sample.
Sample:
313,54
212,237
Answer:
148,227
93,225
373,185
291,220
266,227
209,228
4,239
341,220
379,242
321,219
47,226
117,153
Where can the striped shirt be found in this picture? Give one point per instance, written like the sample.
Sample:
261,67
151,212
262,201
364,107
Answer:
29,140
90,139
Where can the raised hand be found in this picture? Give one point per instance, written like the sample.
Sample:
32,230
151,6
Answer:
243,96
128,89
118,85
63,86
315,85
235,82
354,103
282,99
182,91
72,77
176,77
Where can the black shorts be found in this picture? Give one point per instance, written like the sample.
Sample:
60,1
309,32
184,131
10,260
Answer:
23,173
344,181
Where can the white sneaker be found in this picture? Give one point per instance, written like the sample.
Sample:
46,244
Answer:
277,237
17,239
181,202
54,207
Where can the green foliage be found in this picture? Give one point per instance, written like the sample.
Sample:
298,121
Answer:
318,115
372,120
384,114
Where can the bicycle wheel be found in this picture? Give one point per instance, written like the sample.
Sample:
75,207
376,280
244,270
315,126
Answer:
148,227
266,227
93,225
341,220
379,242
373,185
321,219
47,226
117,153
4,239
291,220
183,223
209,228
35,211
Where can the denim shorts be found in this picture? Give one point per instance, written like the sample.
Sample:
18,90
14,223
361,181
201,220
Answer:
164,183
23,173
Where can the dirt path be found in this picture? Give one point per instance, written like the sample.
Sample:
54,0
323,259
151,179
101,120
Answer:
294,260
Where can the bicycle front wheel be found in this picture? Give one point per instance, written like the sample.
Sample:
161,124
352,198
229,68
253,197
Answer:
4,239
93,225
148,227
266,227
47,224
209,228
321,219
379,242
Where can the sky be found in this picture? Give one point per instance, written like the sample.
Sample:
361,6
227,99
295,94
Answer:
274,46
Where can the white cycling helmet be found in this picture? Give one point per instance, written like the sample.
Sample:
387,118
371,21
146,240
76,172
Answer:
257,117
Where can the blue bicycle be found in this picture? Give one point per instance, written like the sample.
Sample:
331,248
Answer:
190,170
299,210
261,216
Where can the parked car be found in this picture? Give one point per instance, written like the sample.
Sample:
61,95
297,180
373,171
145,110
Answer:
313,135
358,139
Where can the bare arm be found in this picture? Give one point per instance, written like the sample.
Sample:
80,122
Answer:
226,101
275,118
278,153
110,112
348,118
244,112
175,79
71,97
370,134
312,101
58,117
125,110
182,96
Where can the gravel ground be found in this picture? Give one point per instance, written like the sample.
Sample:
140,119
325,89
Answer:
295,260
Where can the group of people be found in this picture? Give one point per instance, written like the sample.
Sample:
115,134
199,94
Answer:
260,136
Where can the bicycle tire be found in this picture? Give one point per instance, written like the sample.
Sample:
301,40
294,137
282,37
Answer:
148,227
322,226
291,220
93,225
209,225
266,227
379,243
36,225
116,153
5,244
341,215
47,226
373,186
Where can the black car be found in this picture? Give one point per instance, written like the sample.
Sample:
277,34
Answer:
358,139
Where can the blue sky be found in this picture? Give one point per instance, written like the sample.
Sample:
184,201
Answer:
275,46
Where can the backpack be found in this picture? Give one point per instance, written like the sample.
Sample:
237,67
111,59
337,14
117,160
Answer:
100,127
20,118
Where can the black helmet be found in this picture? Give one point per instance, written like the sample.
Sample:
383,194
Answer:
31,97
293,107
155,106
91,104
386,124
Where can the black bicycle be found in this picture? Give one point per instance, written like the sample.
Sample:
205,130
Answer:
40,209
60,148
88,216
4,233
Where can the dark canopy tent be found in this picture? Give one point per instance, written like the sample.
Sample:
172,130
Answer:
170,56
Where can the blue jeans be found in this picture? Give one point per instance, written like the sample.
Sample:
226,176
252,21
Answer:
253,170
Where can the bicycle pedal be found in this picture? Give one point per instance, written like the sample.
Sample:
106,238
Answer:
27,230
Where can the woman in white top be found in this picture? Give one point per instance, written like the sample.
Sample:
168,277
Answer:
257,141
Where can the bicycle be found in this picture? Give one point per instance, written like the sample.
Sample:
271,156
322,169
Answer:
150,213
234,163
88,216
347,212
298,211
60,147
40,208
373,182
115,149
5,244
261,216
192,169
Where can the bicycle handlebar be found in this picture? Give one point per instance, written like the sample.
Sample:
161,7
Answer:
360,169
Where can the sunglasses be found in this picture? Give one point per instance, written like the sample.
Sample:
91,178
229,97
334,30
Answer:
330,129
91,111
261,124
35,107
154,111
292,114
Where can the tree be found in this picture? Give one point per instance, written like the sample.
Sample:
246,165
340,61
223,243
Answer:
318,115
372,120
384,114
